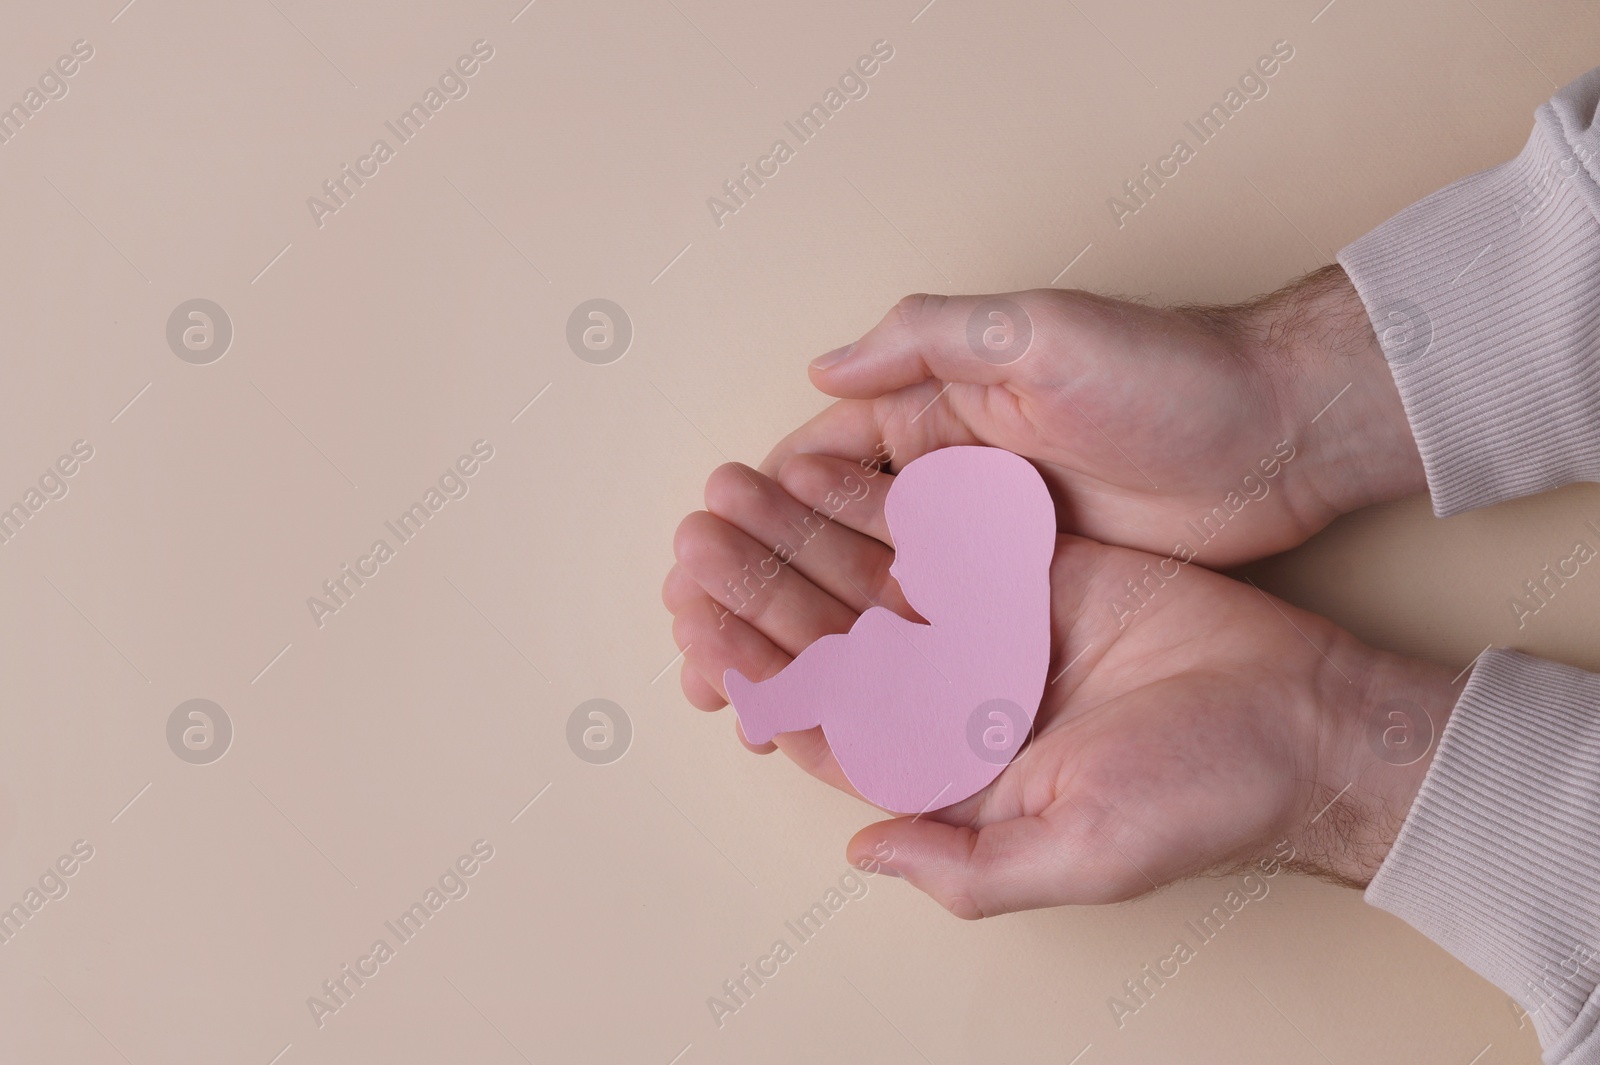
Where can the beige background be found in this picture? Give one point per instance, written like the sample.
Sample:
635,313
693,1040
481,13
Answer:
370,352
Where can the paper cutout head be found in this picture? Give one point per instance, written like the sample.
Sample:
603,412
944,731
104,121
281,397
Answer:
923,716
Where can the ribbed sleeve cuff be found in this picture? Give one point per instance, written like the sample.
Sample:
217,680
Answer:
1486,299
1498,861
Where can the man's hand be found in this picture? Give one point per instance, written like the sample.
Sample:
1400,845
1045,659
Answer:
1192,722
1153,426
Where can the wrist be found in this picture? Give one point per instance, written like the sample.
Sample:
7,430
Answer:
1332,390
1381,716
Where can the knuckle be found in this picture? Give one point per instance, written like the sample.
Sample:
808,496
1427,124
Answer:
964,907
912,308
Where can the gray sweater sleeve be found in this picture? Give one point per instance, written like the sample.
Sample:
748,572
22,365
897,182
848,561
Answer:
1486,299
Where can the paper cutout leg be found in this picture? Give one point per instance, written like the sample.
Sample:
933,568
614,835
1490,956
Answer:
923,716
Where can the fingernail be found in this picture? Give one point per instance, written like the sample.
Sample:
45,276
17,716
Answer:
832,358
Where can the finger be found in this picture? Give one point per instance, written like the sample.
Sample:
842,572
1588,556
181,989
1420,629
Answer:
1004,866
698,690
715,641
679,589
882,433
701,694
705,697
850,428
810,751
838,487
754,748
739,573
978,340
815,538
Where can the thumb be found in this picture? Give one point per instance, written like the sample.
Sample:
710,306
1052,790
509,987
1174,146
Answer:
1005,866
979,340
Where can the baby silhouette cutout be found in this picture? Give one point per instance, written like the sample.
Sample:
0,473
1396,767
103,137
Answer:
921,716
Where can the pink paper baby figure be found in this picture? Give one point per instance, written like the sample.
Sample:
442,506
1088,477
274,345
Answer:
923,716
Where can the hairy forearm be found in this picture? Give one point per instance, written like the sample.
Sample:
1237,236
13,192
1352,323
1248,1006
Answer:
1385,713
1318,351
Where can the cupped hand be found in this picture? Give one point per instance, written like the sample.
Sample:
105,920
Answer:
1191,722
1234,431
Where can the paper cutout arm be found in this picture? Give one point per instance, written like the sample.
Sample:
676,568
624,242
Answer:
794,700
